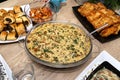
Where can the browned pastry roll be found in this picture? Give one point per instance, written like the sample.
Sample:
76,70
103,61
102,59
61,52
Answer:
19,14
109,31
3,35
2,11
11,12
2,25
18,20
100,6
87,8
26,21
1,18
12,36
9,19
20,29
106,11
13,25
99,13
114,29
103,19
93,15
17,9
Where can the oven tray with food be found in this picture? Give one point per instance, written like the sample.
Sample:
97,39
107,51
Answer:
14,24
90,27
105,71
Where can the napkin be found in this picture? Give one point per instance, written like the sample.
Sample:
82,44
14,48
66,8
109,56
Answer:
5,71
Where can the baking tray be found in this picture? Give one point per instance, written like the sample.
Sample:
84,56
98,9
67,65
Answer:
108,66
90,27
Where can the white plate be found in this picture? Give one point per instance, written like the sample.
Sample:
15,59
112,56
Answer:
6,69
103,56
28,28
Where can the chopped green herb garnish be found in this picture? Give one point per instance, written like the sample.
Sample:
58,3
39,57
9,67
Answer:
75,41
47,50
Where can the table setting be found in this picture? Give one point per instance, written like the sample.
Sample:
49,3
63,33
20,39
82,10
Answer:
59,40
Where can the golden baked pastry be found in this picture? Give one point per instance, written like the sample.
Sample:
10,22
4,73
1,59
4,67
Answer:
2,11
12,36
20,14
2,25
110,30
1,18
9,19
12,27
18,20
17,9
11,12
25,20
98,15
20,29
3,35
87,8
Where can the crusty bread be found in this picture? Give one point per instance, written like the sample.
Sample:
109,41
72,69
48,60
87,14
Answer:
2,25
17,9
3,35
12,36
20,29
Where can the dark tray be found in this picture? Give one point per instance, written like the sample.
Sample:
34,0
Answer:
90,28
106,65
2,0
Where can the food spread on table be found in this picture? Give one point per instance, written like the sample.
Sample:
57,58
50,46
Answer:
13,23
58,43
98,15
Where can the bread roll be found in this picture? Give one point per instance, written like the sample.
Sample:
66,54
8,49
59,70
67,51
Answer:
20,29
26,21
13,25
17,9
2,25
19,20
11,12
1,18
12,36
19,14
3,35
2,11
9,19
